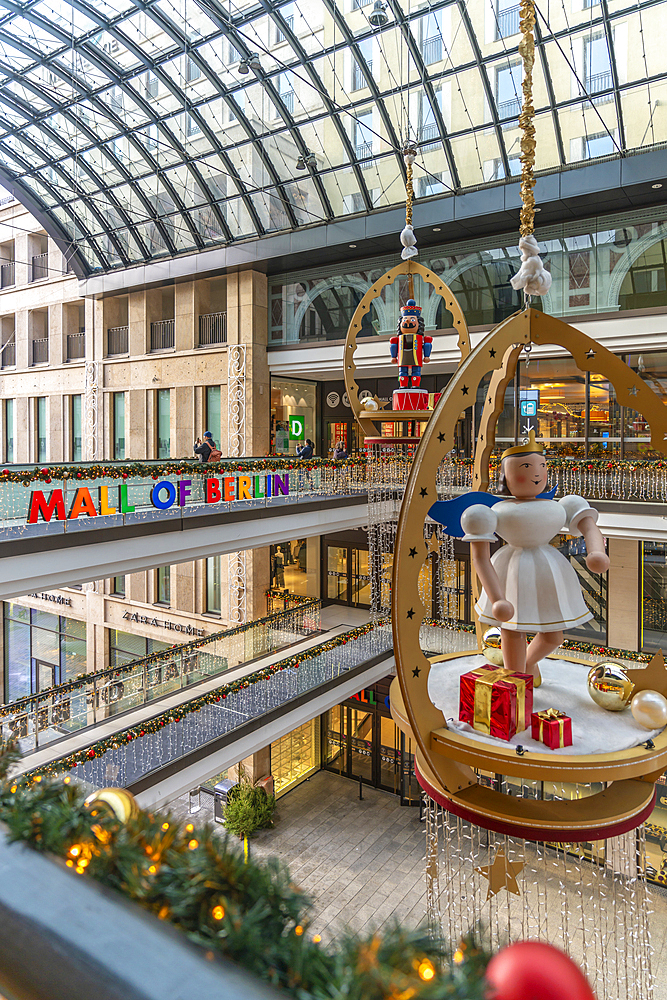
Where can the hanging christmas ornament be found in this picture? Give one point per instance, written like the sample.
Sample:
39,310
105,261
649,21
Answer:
649,709
534,970
117,801
408,238
609,686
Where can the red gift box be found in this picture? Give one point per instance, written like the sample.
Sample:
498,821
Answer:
496,701
552,727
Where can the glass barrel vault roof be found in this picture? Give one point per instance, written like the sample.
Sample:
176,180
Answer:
133,128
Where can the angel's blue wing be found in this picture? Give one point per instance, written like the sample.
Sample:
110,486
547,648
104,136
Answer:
448,512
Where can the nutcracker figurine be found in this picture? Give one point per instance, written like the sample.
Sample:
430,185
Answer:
410,348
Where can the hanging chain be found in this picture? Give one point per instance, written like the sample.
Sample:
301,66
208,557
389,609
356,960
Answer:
527,52
409,192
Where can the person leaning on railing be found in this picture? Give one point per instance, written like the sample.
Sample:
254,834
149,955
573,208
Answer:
307,450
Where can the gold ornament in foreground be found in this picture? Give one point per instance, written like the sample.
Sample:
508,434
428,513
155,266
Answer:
118,801
609,686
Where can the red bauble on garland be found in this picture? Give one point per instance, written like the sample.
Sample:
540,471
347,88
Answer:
534,970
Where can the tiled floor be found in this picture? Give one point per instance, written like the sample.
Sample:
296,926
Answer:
361,862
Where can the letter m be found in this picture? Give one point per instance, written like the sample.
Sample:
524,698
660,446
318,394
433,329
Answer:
39,505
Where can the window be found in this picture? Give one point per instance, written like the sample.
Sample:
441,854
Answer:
287,13
40,428
118,443
118,586
213,423
192,70
9,431
508,91
366,52
163,423
601,144
151,84
494,170
431,184
363,135
126,646
76,443
163,585
40,650
213,585
428,128
286,91
192,126
597,67
507,18
431,38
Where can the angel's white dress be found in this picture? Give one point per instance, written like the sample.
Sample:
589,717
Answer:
535,577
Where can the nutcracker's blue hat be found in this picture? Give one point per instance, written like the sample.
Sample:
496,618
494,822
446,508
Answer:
411,309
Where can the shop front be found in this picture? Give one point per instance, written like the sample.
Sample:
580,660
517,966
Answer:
361,741
294,415
41,649
346,575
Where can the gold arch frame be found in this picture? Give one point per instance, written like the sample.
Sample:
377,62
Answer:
445,759
410,267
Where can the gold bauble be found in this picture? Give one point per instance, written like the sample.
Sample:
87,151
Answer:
609,686
370,404
491,648
117,801
649,709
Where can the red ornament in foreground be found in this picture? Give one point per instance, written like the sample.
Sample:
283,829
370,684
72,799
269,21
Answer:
534,970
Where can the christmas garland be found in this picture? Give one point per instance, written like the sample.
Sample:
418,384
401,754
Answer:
251,913
582,464
158,722
173,467
113,673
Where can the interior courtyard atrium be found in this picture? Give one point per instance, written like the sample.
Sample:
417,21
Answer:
296,699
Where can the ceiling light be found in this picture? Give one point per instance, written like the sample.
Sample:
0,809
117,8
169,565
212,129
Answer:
656,187
300,162
307,159
436,229
538,209
353,246
248,63
378,18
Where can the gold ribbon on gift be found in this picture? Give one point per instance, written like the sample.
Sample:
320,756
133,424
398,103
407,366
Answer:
548,715
484,681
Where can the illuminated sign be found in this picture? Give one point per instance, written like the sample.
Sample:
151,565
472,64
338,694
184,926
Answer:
165,494
297,428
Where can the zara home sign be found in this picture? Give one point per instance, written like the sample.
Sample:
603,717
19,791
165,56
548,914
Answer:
164,495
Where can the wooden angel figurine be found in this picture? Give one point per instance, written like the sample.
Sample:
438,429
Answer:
529,586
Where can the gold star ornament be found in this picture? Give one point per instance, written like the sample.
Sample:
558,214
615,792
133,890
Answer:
501,875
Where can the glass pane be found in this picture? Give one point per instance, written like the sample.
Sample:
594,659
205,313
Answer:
72,656
41,429
604,431
77,451
119,425
164,585
654,603
558,389
361,744
17,659
118,586
636,432
213,423
361,580
124,647
163,423
290,398
9,430
213,585
337,573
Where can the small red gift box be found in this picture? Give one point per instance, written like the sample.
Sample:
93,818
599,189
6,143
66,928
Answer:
496,701
552,727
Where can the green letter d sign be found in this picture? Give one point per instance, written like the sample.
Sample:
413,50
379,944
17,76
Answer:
297,428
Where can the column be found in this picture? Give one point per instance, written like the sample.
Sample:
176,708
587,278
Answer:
22,451
257,766
136,425
22,339
183,595
56,426
182,420
21,251
190,301
137,320
57,330
623,598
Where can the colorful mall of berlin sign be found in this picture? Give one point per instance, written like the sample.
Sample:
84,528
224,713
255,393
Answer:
164,494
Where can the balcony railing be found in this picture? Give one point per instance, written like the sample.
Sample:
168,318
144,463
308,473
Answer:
509,109
40,267
7,275
288,100
364,152
507,22
432,50
597,82
40,351
213,329
8,357
426,134
46,718
162,334
117,340
76,347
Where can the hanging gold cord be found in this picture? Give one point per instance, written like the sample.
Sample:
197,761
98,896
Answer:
409,194
527,52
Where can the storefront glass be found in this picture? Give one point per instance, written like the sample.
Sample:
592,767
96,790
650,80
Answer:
654,594
295,756
593,587
295,566
636,432
40,649
125,647
291,398
347,570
